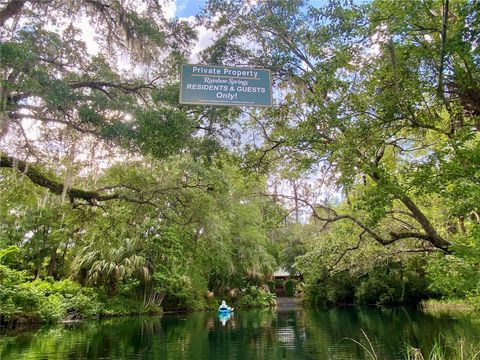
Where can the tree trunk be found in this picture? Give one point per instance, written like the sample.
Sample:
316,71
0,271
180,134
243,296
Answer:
64,253
52,265
37,273
111,287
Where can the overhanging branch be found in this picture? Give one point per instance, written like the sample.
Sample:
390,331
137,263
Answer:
57,187
332,216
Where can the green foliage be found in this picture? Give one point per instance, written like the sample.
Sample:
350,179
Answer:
290,287
46,301
9,255
398,130
209,235
379,288
335,290
254,296
453,277
162,132
51,301
388,284
51,309
30,300
10,277
289,243
271,285
83,305
125,305
340,268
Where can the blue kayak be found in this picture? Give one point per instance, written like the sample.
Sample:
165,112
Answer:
224,316
224,311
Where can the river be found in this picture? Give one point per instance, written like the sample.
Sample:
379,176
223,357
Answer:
249,334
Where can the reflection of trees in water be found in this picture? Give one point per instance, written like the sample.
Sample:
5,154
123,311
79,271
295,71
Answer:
253,334
91,339
389,329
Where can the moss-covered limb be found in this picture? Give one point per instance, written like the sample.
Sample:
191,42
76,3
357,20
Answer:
106,193
38,177
35,174
101,85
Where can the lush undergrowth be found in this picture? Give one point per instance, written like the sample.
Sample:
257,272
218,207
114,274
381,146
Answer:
254,296
23,301
389,284
411,281
48,300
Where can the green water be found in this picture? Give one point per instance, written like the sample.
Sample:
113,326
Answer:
252,334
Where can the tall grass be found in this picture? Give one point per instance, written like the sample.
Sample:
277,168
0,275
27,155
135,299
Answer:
458,351
370,350
441,350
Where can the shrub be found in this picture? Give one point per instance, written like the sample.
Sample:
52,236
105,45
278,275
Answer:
121,305
299,289
52,308
473,299
8,308
82,306
43,300
394,283
68,287
377,290
453,276
10,256
290,287
27,296
337,289
256,297
9,277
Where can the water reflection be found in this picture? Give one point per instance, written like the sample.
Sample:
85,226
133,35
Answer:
253,334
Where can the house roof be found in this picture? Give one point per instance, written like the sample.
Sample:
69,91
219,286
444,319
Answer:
281,272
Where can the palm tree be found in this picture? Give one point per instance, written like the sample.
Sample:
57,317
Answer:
107,266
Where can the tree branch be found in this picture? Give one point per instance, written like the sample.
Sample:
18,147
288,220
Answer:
39,178
356,247
100,85
383,240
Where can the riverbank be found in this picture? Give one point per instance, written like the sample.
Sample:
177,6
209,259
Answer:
60,313
25,302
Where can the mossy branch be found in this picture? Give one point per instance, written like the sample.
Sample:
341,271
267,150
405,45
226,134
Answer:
38,177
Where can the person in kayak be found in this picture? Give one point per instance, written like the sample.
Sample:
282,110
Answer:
224,307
